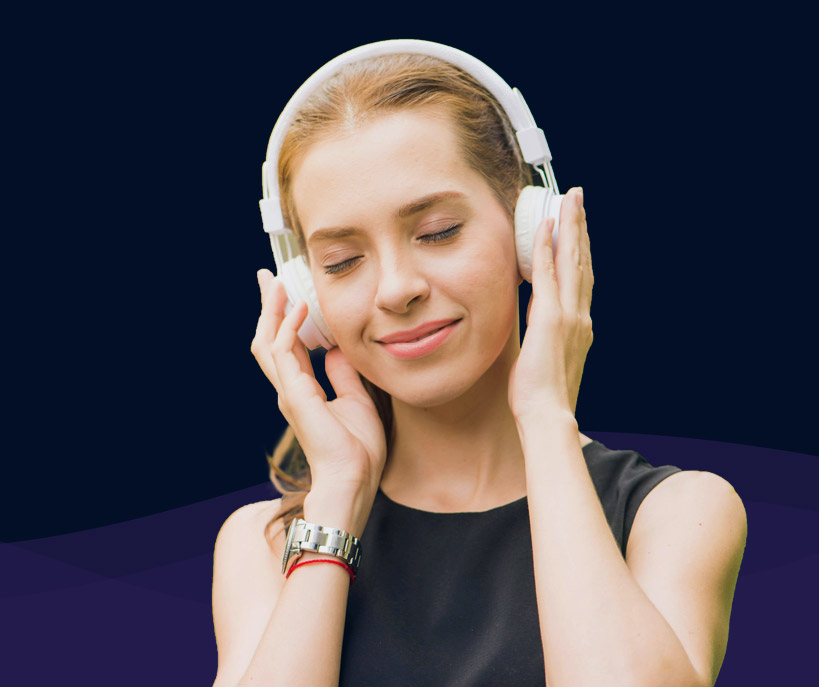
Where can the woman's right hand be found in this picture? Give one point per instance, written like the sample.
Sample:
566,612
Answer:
343,439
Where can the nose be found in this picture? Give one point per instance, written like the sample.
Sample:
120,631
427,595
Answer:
400,283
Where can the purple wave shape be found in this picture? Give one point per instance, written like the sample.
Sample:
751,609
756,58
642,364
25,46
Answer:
129,603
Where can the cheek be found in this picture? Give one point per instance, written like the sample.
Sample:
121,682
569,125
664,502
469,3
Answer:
500,281
496,276
347,312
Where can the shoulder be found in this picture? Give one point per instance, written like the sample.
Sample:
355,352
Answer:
690,520
685,552
246,526
246,547
689,496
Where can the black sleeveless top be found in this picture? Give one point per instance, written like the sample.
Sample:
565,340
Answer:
448,599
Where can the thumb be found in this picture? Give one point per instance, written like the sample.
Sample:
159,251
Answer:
342,375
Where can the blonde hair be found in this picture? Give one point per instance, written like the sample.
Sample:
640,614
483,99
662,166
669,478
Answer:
359,93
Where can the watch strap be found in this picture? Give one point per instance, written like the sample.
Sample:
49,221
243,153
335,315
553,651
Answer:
308,536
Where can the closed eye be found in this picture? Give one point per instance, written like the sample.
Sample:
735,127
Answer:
441,235
436,237
339,266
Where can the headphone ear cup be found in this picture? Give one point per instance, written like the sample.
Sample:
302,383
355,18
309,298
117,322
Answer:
534,204
298,282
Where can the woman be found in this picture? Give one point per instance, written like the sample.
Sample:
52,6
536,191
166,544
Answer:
500,545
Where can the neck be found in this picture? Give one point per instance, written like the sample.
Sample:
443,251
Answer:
464,455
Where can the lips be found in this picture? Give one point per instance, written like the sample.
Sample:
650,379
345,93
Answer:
421,341
418,332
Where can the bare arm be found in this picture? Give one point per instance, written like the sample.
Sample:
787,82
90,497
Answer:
661,619
245,587
271,631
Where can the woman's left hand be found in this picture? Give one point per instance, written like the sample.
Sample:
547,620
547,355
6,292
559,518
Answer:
549,367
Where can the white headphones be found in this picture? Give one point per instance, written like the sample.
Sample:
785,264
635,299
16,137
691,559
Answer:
534,202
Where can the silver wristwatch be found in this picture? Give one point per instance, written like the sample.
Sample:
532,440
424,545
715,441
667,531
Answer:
307,536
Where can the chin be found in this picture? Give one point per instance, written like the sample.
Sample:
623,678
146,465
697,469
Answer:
419,395
439,385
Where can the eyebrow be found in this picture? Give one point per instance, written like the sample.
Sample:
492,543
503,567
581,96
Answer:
411,208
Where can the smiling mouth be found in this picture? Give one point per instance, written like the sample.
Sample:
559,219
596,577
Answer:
422,345
424,336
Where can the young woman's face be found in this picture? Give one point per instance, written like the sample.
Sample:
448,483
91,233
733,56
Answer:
402,234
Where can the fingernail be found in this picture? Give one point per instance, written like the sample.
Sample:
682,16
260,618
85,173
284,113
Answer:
578,196
259,277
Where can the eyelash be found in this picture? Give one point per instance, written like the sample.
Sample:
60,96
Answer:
447,233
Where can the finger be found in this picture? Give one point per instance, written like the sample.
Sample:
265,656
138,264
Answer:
299,387
585,262
569,251
545,302
300,350
262,279
303,356
342,375
279,297
274,299
286,343
587,281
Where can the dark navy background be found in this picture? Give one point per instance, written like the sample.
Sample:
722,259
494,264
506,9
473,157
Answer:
139,419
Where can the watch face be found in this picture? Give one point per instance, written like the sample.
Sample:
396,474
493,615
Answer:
288,545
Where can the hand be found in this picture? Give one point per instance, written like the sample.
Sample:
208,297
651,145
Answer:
343,440
559,327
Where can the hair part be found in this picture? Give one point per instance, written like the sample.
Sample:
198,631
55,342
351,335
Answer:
347,101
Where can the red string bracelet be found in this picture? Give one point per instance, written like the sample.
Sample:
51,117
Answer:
323,560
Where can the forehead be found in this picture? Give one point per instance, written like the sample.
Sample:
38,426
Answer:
363,175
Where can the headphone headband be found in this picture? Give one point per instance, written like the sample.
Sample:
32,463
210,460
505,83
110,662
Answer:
532,140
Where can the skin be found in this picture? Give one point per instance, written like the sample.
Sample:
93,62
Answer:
481,421
457,447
